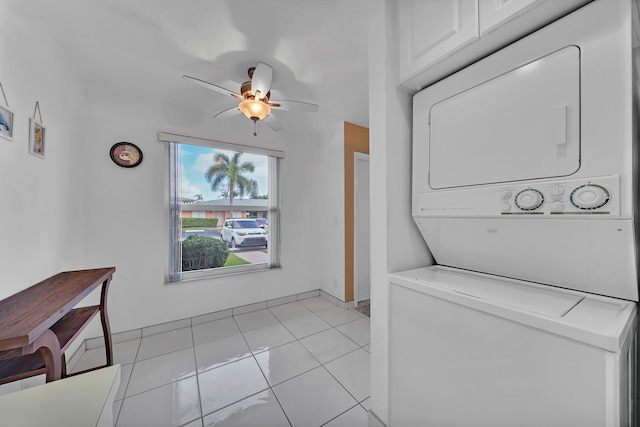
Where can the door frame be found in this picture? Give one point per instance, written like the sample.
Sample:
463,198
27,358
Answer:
357,157
356,139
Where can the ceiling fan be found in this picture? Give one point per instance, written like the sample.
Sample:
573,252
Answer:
254,98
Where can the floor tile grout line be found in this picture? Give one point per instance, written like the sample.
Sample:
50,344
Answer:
329,361
244,338
273,391
338,381
309,334
357,343
252,354
159,355
295,376
233,316
233,403
164,354
339,415
270,387
321,365
159,386
195,365
343,386
124,392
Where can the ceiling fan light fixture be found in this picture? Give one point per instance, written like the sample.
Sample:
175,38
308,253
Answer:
255,98
254,110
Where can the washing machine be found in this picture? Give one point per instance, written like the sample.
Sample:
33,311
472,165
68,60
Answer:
525,189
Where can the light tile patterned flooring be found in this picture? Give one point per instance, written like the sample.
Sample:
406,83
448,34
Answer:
304,363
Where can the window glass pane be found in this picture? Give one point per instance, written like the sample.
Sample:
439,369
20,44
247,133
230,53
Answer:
221,211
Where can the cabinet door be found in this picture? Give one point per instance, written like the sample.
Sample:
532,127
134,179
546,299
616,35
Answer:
429,31
495,12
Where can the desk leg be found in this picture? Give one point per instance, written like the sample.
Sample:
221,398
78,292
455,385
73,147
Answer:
49,347
104,318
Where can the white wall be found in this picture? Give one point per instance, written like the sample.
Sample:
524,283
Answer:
127,216
328,270
42,217
397,245
76,209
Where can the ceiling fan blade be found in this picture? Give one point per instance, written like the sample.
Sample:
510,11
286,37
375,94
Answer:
228,113
261,80
273,122
213,87
294,106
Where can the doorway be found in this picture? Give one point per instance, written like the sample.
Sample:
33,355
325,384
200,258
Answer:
361,235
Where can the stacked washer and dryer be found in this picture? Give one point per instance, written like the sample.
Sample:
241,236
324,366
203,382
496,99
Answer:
525,188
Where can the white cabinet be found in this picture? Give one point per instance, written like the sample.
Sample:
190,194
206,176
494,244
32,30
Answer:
492,13
439,37
431,30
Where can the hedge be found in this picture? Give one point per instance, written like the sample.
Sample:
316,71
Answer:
199,252
199,222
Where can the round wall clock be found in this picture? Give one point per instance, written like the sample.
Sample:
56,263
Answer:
126,154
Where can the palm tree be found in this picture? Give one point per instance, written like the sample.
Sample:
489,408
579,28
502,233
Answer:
232,171
253,188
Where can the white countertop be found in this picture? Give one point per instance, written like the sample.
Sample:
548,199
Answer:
83,400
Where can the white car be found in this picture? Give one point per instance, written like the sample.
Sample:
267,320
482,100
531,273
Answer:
243,232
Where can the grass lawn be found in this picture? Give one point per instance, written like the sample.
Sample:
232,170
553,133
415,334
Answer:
199,228
234,260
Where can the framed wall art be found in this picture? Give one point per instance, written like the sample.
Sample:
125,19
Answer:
6,123
6,118
36,138
126,154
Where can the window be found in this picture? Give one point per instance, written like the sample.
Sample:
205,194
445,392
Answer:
224,207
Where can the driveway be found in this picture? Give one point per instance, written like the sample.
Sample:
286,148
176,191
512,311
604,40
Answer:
253,255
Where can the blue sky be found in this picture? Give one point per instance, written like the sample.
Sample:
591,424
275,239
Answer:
194,162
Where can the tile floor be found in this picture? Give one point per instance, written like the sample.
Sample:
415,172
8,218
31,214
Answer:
305,363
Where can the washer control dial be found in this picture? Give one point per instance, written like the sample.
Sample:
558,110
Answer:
589,196
557,206
556,190
529,199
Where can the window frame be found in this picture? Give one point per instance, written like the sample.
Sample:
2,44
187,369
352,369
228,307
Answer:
174,273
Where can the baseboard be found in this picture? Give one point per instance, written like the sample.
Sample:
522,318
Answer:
374,420
344,305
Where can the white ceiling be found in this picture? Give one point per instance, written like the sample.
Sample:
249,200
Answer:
317,48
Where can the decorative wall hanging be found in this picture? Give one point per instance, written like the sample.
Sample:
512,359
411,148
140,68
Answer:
126,154
6,118
36,134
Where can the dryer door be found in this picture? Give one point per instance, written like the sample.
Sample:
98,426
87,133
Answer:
524,124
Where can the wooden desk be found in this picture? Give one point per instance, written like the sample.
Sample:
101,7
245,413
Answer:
39,323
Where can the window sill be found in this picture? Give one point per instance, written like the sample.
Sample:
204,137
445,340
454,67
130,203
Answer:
214,274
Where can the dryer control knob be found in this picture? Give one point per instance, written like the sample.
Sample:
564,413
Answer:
557,206
556,190
589,196
529,199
